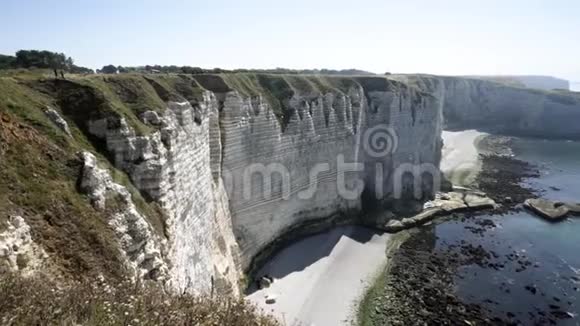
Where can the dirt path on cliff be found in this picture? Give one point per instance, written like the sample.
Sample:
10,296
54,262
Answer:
319,280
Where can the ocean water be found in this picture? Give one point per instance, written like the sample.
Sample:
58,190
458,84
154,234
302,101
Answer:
552,251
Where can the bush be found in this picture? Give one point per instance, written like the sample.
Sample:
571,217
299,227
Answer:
110,69
38,301
42,59
6,61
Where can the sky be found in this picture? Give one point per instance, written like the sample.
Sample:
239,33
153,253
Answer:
447,37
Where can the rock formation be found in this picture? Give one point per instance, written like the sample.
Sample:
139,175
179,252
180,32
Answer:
238,162
550,210
227,167
140,246
18,252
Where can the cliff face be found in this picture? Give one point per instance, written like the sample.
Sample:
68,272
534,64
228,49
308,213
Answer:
172,167
190,179
547,83
280,179
234,172
497,108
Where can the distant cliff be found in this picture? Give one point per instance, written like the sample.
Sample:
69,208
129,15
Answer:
498,108
547,83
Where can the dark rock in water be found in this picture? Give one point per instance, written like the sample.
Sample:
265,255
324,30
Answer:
549,210
531,288
555,188
574,208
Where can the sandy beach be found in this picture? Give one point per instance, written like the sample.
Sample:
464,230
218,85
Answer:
320,279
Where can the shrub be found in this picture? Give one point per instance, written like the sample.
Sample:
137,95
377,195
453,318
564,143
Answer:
39,301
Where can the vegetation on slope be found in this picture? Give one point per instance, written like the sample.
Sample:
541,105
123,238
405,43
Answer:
40,168
38,301
38,174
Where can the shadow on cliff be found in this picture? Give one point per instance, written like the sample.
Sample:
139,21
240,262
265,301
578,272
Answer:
301,254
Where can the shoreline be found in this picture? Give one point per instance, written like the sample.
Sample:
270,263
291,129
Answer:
295,309
418,286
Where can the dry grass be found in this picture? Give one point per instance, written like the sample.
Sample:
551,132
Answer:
36,301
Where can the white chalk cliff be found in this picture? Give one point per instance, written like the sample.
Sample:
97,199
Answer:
233,177
206,165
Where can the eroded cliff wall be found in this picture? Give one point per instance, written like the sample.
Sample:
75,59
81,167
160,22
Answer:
309,164
232,162
172,166
497,108
246,160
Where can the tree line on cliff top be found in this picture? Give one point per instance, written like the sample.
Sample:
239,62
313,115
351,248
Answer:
42,59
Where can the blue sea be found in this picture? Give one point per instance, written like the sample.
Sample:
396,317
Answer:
540,279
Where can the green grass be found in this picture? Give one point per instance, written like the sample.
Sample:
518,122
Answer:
366,314
39,169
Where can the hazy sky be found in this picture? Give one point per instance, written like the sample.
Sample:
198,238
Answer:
441,37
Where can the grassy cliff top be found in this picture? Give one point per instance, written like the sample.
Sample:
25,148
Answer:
88,97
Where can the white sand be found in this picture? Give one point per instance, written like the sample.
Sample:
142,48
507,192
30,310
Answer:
320,279
460,160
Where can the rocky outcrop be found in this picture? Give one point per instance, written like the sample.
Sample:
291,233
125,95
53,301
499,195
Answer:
141,248
459,200
173,167
18,252
550,210
55,117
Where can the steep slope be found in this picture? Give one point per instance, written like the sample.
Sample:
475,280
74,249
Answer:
191,178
